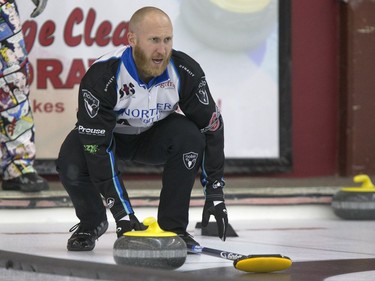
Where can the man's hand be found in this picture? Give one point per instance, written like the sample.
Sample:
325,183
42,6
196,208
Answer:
128,224
219,211
40,5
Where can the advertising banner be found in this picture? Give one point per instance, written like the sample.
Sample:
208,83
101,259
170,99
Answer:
236,43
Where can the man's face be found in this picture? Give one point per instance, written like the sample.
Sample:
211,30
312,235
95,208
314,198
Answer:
152,46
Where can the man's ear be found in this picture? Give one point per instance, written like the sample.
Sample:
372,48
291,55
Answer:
131,39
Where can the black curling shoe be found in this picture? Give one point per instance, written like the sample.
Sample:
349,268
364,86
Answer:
29,182
84,239
189,240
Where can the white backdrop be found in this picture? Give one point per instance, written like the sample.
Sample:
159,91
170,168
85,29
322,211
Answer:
236,46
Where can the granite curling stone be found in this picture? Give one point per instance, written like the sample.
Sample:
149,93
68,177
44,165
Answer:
356,203
153,248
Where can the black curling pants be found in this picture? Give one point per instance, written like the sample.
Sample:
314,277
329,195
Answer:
175,142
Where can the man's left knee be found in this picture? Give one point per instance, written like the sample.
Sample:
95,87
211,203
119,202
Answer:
191,136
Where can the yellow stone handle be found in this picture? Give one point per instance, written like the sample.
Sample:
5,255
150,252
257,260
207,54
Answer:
152,224
153,230
365,180
367,185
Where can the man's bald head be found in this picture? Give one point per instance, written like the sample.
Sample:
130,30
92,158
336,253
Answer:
143,14
151,37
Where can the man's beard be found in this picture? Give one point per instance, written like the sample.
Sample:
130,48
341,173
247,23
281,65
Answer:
145,65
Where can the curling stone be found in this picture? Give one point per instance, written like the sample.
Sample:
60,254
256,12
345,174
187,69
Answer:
153,248
356,203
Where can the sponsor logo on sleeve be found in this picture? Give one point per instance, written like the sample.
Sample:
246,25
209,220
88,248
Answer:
190,159
214,122
202,96
91,103
90,131
202,92
91,148
188,71
218,184
110,202
109,83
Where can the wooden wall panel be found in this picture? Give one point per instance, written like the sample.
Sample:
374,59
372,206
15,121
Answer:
357,87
